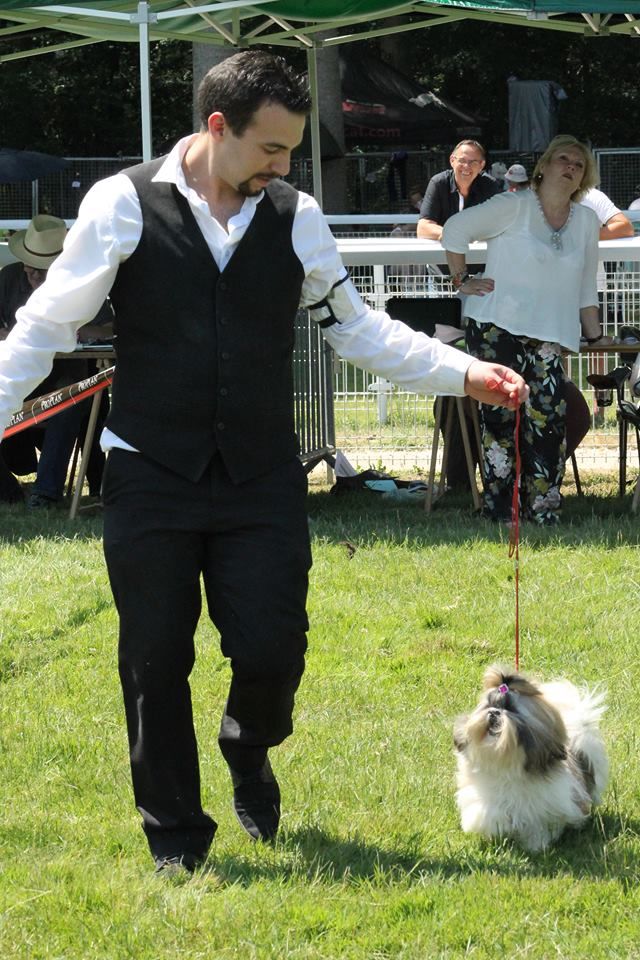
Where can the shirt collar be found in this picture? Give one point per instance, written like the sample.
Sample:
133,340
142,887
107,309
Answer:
171,172
171,169
453,186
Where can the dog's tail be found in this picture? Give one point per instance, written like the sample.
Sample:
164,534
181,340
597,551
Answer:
580,708
581,711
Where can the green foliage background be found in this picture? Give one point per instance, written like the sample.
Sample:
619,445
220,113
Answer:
86,101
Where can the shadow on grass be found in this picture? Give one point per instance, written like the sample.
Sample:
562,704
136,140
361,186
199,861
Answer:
599,517
607,848
18,525
359,517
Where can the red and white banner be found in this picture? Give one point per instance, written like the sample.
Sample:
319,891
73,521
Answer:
41,408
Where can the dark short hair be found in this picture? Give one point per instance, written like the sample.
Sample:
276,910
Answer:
471,143
241,84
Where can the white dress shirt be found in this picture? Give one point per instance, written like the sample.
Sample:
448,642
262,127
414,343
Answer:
602,205
106,233
539,290
604,209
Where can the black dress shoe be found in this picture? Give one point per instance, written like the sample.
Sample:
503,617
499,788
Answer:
40,501
178,865
256,802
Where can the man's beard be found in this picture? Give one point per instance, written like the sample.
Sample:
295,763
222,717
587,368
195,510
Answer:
245,187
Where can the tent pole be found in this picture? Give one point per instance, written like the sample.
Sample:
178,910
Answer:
143,18
314,120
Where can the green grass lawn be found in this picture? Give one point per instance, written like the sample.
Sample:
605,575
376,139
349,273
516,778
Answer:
407,610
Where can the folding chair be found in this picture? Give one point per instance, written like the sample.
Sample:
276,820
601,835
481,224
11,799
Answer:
627,413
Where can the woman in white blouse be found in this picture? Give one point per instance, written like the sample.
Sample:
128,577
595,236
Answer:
537,294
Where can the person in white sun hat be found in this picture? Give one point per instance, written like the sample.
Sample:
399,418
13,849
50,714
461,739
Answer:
35,249
516,178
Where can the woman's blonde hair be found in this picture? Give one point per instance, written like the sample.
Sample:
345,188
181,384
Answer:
562,142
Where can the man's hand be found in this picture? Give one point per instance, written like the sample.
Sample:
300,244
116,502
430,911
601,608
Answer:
494,384
428,230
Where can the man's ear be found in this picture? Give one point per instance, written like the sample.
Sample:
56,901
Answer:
216,124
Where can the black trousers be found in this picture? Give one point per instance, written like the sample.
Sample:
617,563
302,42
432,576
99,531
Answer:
250,545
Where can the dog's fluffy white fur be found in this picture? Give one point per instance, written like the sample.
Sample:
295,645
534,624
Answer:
531,759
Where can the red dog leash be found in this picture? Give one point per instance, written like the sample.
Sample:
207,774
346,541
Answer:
514,535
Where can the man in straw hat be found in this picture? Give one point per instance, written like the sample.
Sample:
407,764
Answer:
35,249
208,255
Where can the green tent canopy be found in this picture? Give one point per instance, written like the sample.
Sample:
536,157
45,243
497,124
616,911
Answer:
298,22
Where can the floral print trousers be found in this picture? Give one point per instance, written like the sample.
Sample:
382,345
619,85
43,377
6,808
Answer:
542,426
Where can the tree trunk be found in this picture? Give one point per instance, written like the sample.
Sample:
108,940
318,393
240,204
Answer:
393,48
334,174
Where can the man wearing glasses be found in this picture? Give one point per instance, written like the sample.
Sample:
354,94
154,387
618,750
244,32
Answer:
464,185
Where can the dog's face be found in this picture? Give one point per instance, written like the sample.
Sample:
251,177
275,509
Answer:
513,725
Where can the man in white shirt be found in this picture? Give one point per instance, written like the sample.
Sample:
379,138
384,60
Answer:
614,225
207,255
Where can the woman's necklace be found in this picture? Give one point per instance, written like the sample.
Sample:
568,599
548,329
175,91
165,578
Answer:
556,235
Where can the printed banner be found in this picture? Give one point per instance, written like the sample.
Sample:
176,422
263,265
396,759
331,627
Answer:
41,408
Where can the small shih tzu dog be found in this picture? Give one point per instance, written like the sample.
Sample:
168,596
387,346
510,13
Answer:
531,760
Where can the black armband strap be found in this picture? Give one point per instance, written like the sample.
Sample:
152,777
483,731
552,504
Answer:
323,311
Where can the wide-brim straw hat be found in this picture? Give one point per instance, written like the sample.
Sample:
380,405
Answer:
40,244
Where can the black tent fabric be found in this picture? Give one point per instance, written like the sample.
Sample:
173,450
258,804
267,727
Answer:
382,105
19,165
